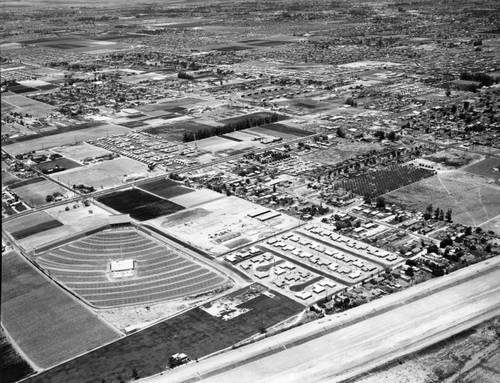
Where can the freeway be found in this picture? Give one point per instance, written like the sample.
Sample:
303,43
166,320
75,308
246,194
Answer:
344,345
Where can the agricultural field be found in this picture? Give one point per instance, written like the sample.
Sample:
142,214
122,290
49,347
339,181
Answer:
12,366
78,152
214,225
139,204
382,181
35,191
196,332
281,130
31,224
76,219
103,175
66,138
159,274
68,328
8,179
471,199
165,188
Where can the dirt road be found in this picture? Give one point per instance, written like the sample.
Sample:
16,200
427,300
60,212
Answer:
345,345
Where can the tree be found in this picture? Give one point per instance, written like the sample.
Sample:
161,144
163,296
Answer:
380,203
448,215
391,136
436,213
441,215
135,374
49,198
433,249
409,271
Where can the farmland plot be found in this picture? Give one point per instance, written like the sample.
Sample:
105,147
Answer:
68,328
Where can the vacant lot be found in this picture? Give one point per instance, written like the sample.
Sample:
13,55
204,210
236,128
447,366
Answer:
65,138
63,163
139,204
195,333
35,191
472,201
166,188
485,168
54,327
12,366
103,175
80,151
197,197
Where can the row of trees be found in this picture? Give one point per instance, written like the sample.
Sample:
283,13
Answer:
437,214
228,128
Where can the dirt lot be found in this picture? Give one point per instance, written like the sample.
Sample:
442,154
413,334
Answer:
68,328
470,357
198,197
472,200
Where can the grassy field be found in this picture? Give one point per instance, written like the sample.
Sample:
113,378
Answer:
54,327
166,188
139,204
471,199
195,333
12,366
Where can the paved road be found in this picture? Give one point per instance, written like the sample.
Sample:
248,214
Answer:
404,322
